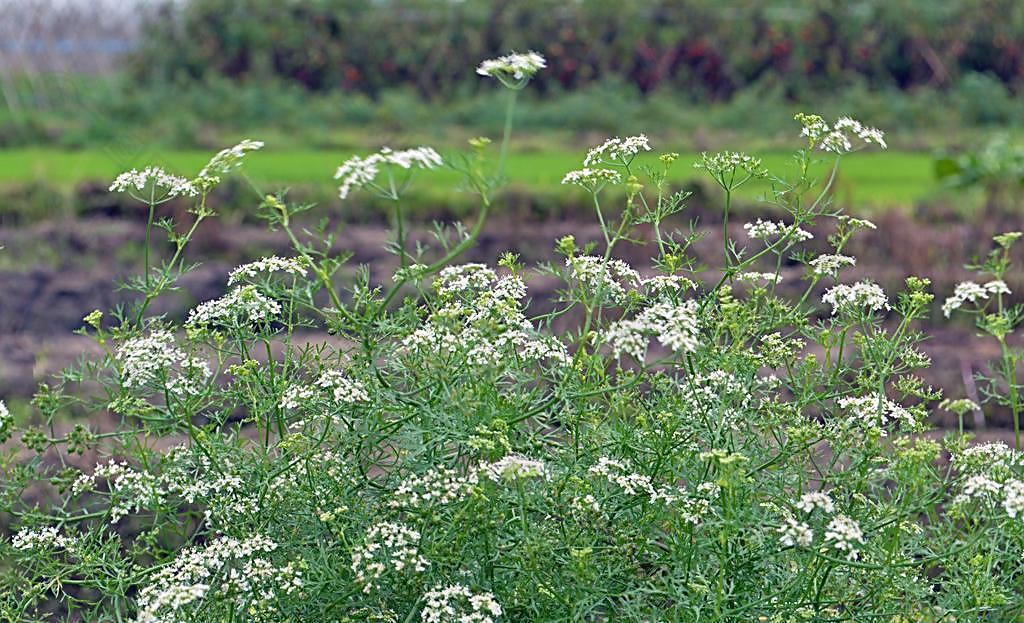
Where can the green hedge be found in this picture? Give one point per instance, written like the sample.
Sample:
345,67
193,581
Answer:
708,48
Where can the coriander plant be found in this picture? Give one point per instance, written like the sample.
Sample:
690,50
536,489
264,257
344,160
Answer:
666,442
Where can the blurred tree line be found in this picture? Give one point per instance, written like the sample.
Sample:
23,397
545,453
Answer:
710,49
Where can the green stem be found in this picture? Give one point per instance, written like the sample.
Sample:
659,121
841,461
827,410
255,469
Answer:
507,133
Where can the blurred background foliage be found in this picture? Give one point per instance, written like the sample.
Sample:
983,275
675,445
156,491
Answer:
335,73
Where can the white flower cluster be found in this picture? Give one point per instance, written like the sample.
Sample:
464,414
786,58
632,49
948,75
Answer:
292,265
970,292
387,546
437,486
830,265
295,396
234,569
874,413
585,504
838,137
6,422
1013,498
667,284
989,473
358,171
343,389
763,230
592,179
816,499
482,316
861,295
46,538
514,467
617,150
245,305
795,533
611,278
143,359
845,535
982,488
753,277
458,604
700,391
991,458
163,184
231,158
727,161
674,326
463,279
130,490
194,373
621,475
518,66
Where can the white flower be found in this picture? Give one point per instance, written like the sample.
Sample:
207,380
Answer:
193,373
243,573
144,359
980,486
6,422
727,161
816,499
1013,501
752,276
516,66
674,326
795,533
358,171
855,223
874,414
585,504
464,279
592,179
988,458
667,284
296,396
437,486
231,158
830,265
631,483
617,150
131,490
343,390
164,185
514,467
596,276
243,305
844,534
970,292
293,266
387,546
838,137
46,538
849,298
763,230
458,604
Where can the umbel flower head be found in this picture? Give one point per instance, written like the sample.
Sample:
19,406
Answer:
360,171
513,70
161,184
229,159
838,137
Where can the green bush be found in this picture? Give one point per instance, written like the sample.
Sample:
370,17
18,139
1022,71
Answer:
637,448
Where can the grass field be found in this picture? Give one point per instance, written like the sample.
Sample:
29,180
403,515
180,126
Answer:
868,179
